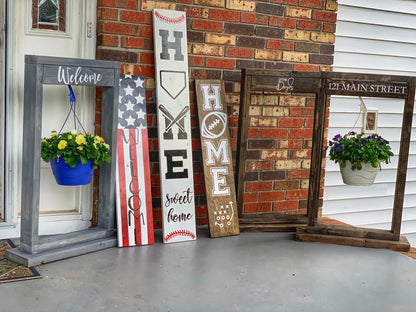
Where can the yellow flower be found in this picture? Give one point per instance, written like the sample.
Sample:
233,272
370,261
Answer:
88,133
80,148
44,141
69,137
96,139
62,144
102,140
80,139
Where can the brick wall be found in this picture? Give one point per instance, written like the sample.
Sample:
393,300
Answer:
225,36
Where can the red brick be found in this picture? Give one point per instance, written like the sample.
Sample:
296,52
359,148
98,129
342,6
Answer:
293,143
260,165
297,194
250,197
224,15
127,4
118,28
239,52
301,112
285,205
282,22
259,186
144,70
298,174
271,196
328,27
253,133
248,18
146,58
207,25
107,3
311,3
196,61
274,133
309,123
257,207
309,25
325,16
305,67
300,133
107,14
145,31
107,40
132,42
291,122
280,45
285,1
134,17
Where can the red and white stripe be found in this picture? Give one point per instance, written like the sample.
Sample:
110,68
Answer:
134,201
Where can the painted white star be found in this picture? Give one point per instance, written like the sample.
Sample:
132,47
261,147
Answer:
130,121
140,82
129,105
129,90
140,99
141,115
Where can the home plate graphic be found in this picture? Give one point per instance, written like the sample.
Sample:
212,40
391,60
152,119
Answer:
134,199
174,126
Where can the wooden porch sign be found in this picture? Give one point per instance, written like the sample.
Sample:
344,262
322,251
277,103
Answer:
134,198
173,115
216,153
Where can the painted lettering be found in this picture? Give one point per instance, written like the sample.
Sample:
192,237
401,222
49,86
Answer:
185,198
178,217
212,99
69,76
216,153
167,45
219,182
171,164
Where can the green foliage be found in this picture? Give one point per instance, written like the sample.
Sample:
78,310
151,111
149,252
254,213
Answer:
76,148
358,149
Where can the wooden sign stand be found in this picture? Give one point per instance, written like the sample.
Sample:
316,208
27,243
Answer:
323,84
41,70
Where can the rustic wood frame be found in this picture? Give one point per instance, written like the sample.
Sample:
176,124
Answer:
323,84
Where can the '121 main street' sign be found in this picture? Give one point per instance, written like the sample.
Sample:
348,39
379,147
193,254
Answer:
173,115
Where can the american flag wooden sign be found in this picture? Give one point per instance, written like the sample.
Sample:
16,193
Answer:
174,123
134,199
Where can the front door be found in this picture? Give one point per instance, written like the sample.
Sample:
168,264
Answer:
63,28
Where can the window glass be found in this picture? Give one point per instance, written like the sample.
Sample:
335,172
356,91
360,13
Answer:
48,14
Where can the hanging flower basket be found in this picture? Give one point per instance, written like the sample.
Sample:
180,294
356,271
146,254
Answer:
74,156
66,175
365,176
359,156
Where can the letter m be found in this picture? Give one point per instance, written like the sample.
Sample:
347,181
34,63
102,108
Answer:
212,152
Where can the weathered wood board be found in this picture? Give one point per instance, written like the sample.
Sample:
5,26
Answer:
134,198
217,158
174,123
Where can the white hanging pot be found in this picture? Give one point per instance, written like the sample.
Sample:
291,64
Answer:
365,176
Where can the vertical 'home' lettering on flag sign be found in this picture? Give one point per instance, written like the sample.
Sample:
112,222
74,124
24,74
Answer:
134,198
174,122
216,153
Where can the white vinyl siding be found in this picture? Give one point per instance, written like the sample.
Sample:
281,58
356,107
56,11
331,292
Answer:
373,37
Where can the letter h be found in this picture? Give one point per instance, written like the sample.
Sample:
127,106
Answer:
166,45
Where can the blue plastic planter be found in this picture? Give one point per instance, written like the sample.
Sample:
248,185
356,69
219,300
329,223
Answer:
66,175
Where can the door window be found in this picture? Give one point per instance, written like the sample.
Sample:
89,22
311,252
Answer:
48,14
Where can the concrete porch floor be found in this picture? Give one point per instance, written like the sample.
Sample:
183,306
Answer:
250,272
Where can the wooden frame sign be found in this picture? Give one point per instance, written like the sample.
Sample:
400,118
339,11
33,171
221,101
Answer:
217,157
174,122
134,198
323,84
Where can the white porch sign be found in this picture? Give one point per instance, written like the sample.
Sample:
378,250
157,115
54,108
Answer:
173,115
